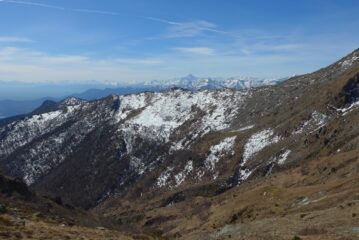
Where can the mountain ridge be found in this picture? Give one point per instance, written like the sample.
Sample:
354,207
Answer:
142,159
10,108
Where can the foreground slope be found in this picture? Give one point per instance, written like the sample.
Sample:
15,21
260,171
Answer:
316,200
24,215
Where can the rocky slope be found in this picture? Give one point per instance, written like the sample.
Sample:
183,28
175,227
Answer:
180,160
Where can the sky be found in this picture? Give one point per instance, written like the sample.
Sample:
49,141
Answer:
128,41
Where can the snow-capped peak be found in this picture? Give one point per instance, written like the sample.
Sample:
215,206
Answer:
196,83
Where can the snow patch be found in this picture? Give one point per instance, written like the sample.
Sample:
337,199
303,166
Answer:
345,111
283,157
257,142
164,178
43,118
129,103
317,120
244,174
187,141
158,115
244,128
137,165
349,62
218,151
181,176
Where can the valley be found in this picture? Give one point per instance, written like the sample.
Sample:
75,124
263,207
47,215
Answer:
270,162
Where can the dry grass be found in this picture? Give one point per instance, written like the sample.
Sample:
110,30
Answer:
33,229
316,205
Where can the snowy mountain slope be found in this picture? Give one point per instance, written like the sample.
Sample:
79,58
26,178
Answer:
128,146
37,144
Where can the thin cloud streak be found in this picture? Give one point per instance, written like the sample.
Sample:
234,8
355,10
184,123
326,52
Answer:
162,20
196,26
12,39
19,64
197,51
59,7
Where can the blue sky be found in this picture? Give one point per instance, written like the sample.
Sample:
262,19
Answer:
128,41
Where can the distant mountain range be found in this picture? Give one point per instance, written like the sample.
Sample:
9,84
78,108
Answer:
199,83
10,108
189,82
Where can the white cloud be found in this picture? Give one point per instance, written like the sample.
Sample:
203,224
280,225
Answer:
270,47
11,39
145,61
190,29
64,59
18,64
197,50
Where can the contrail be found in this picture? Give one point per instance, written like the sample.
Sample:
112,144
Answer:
83,10
59,7
209,29
162,21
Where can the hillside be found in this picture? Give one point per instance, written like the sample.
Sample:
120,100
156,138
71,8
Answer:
24,215
265,163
